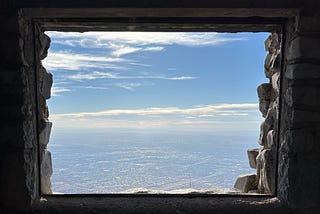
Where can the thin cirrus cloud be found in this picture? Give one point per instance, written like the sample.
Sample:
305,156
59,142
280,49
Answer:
57,90
74,61
105,39
112,75
129,86
195,117
121,49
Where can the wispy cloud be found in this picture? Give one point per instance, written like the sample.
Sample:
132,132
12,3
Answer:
105,39
56,91
128,86
97,87
93,75
111,75
74,61
181,78
121,49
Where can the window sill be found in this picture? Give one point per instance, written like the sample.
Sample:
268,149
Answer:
144,203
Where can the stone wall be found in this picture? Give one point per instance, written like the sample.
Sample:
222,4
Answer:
18,152
299,155
44,92
264,159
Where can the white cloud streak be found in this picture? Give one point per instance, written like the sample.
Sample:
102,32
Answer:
56,91
128,86
74,61
105,39
223,117
222,109
111,75
120,49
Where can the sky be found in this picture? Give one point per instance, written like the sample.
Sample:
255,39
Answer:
187,81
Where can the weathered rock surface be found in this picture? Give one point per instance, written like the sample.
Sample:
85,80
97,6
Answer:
252,155
264,93
45,134
44,87
264,159
266,171
46,173
245,183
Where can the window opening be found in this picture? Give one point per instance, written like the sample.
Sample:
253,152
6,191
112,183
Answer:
158,112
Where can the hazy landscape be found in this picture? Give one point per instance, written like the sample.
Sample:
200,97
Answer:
111,162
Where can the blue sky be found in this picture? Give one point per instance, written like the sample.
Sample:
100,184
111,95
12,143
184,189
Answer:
156,80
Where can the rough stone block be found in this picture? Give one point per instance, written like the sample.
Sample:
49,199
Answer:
46,83
302,71
272,43
264,91
272,64
304,47
252,154
46,185
46,172
272,114
44,135
271,139
275,80
245,183
266,171
304,96
264,106
264,129
46,164
45,44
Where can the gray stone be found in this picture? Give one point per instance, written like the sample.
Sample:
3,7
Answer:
264,91
302,71
266,171
46,164
264,106
272,63
46,172
271,140
245,183
46,83
46,185
264,129
272,43
304,47
252,154
267,63
272,114
305,95
44,135
275,80
44,45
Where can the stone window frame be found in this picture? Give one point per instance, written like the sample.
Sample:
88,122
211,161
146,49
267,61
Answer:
35,21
